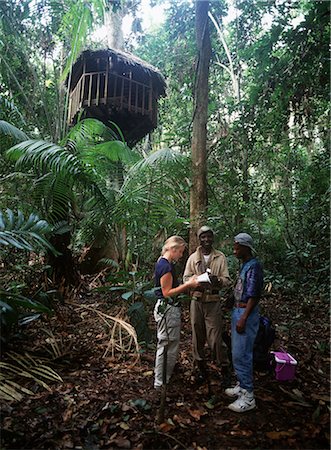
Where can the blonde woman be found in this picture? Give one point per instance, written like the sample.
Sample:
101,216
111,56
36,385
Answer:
167,309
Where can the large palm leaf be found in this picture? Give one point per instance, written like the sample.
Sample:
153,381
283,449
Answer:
88,137
24,234
44,157
95,142
166,158
7,130
103,150
88,131
86,170
57,172
158,179
154,196
17,232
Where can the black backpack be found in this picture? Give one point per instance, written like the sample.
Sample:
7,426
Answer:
263,341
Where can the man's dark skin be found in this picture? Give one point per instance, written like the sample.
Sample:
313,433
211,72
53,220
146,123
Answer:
244,254
206,241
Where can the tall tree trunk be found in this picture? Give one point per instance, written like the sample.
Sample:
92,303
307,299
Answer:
113,23
198,198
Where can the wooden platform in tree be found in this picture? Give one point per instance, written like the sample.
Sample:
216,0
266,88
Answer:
115,86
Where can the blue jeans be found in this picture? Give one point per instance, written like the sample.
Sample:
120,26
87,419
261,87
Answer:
242,346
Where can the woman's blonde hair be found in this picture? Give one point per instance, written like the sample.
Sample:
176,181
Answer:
173,242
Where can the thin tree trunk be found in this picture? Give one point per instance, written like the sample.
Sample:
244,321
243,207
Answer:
198,198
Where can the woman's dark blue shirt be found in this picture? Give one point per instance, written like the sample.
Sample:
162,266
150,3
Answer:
162,267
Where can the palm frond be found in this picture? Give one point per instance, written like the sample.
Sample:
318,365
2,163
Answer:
47,157
24,234
14,300
114,151
108,262
94,143
27,368
44,156
78,20
61,227
123,336
165,157
54,195
117,128
9,390
89,131
9,130
97,219
155,189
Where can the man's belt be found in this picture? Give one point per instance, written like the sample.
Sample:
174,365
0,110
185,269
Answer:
206,292
206,297
240,305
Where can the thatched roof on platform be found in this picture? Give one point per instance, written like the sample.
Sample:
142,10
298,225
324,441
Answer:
122,61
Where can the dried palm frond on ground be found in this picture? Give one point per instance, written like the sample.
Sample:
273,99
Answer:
25,367
57,348
123,337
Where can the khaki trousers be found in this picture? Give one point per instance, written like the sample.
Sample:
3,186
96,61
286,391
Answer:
207,326
168,334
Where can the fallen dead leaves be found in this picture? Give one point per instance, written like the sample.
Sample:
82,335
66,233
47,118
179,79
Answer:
107,403
244,433
197,413
182,421
280,434
221,422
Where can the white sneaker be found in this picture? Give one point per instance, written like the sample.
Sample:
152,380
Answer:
245,402
234,391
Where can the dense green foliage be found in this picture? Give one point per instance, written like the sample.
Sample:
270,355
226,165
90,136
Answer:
268,165
268,140
18,234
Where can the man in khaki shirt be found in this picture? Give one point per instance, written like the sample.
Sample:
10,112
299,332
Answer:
206,313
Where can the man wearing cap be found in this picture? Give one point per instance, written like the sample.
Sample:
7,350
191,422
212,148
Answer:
245,322
205,310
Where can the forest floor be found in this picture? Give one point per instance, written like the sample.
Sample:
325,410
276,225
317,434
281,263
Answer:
107,401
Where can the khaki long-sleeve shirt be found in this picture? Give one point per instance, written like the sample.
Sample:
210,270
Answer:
218,265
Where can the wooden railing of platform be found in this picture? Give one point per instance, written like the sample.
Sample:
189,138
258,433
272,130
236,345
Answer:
103,88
